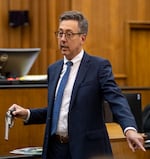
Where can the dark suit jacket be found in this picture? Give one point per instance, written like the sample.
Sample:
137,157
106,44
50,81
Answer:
86,127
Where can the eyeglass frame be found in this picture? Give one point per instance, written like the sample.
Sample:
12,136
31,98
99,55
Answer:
71,36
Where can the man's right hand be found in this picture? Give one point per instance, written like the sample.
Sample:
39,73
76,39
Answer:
19,111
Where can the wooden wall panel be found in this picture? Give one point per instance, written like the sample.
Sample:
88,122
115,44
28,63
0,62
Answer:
107,21
15,37
32,135
107,29
113,44
4,23
137,59
20,135
61,6
38,31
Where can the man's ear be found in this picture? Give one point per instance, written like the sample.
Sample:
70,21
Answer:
83,37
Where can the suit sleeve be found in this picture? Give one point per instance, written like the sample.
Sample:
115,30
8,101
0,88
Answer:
37,116
113,95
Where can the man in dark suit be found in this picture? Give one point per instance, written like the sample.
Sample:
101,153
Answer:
81,132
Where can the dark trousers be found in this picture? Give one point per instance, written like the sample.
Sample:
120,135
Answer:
58,150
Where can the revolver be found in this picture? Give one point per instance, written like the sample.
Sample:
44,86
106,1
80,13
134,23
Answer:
9,122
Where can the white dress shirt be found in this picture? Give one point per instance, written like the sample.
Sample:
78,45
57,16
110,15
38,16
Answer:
62,128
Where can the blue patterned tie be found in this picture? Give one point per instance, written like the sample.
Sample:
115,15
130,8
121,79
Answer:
59,97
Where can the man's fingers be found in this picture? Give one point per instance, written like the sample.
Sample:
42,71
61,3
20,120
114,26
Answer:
131,145
135,145
140,146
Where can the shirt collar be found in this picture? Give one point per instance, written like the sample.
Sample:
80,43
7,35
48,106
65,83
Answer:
77,58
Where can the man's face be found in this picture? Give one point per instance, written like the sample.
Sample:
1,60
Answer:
70,46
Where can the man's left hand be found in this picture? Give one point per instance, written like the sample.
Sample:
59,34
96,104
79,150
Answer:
135,140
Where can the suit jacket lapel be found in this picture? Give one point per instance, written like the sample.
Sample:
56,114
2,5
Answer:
83,68
54,77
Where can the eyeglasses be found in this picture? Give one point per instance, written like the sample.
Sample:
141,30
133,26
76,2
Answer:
68,34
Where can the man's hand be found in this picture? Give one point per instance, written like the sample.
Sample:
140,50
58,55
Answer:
135,140
19,111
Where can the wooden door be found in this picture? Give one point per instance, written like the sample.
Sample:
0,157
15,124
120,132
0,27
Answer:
138,56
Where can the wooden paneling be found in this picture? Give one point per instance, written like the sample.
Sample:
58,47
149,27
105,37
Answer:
106,37
20,135
107,34
120,146
4,40
32,135
107,29
138,60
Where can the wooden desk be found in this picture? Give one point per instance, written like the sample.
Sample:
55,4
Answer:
29,96
120,146
115,132
19,157
33,96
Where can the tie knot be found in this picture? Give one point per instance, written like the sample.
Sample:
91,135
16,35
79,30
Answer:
69,63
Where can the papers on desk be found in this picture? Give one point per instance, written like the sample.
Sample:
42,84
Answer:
33,77
147,144
28,151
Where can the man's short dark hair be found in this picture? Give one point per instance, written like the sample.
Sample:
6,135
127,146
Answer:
78,16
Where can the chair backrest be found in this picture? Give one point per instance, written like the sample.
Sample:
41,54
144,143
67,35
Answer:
146,119
134,100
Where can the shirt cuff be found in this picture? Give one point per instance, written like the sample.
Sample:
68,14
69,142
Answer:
129,128
28,116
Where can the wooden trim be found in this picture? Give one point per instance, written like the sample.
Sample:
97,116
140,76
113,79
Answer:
139,25
115,132
120,76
